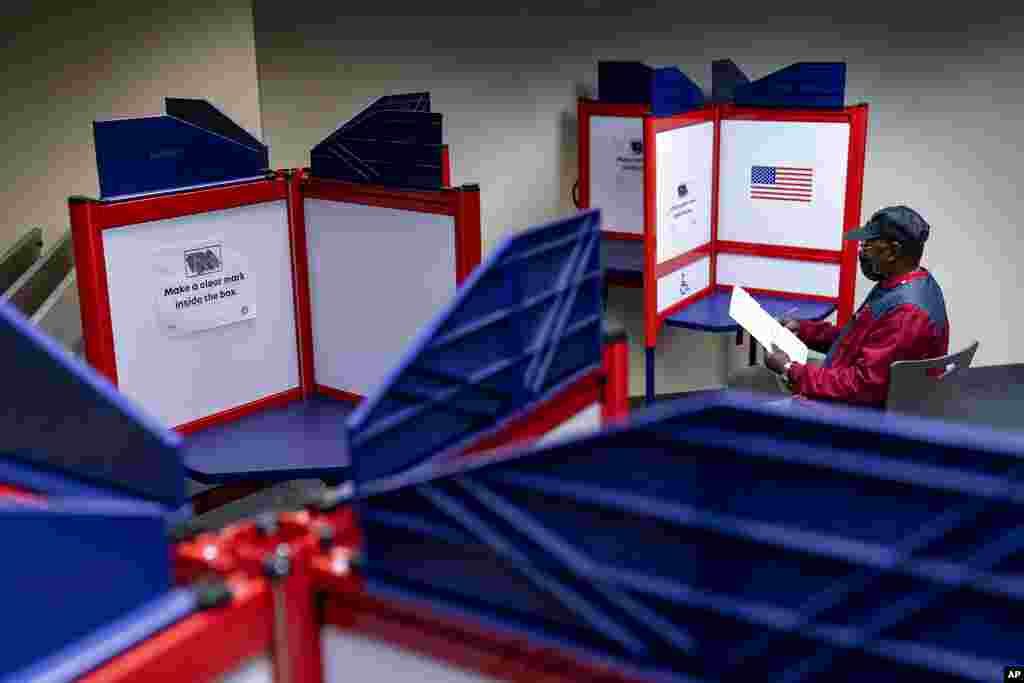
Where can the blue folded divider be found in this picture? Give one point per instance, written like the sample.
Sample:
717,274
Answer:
666,89
722,538
92,551
725,78
395,142
526,324
192,145
804,84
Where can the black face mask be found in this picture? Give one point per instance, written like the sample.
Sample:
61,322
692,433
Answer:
871,268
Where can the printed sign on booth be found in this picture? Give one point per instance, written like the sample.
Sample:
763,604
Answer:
201,286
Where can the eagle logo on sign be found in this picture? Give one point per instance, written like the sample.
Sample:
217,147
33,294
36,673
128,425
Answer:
683,190
637,146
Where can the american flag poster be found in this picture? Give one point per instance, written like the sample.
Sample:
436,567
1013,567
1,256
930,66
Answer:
781,183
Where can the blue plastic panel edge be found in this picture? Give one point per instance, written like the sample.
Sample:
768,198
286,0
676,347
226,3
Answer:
60,414
672,92
78,658
800,85
497,387
162,153
726,77
80,565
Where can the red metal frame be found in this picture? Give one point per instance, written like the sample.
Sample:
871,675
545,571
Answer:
546,417
89,218
615,406
653,270
461,643
203,647
585,108
846,257
852,209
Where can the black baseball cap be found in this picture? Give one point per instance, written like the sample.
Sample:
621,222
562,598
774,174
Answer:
899,223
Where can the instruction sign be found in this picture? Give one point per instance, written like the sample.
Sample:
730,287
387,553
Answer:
200,286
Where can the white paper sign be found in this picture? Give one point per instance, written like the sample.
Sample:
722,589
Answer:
201,285
629,163
745,310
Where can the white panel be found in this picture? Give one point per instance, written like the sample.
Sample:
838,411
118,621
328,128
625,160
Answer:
349,658
684,159
822,147
587,420
783,275
617,172
377,276
679,284
179,379
256,670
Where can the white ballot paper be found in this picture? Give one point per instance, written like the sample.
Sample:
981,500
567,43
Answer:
745,310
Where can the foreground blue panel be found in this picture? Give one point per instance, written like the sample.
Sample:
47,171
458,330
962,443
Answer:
193,145
721,539
395,142
90,546
805,84
526,324
76,565
60,415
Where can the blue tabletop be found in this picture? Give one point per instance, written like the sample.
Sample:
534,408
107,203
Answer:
711,314
304,439
623,256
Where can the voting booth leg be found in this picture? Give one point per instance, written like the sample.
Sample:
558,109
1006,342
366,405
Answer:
649,384
615,404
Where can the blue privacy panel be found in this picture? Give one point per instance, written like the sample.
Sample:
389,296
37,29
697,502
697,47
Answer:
193,144
624,82
667,89
526,323
720,536
672,92
725,78
396,142
58,414
73,566
804,84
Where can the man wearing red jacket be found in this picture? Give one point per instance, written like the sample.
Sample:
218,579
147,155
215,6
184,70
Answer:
902,318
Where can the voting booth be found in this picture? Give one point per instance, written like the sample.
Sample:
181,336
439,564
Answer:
234,302
754,189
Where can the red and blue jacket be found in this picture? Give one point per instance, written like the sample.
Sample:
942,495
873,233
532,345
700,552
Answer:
903,318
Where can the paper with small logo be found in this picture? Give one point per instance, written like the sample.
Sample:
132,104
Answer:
629,162
745,310
200,286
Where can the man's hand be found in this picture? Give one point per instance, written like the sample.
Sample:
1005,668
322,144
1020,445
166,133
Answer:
776,360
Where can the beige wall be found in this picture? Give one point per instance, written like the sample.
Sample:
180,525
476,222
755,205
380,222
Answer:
944,136
65,67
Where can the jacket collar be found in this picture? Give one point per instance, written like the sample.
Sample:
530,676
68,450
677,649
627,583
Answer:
905,278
